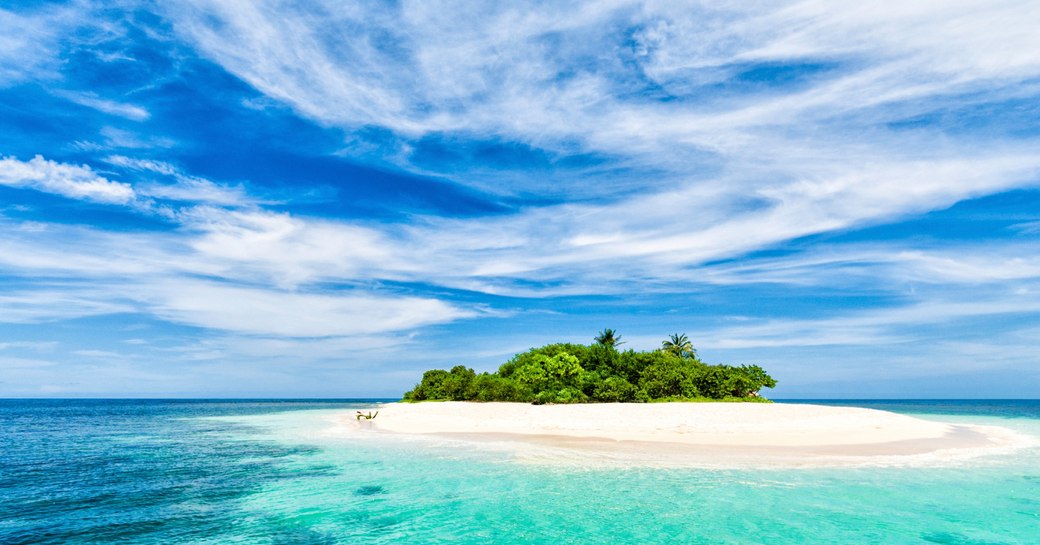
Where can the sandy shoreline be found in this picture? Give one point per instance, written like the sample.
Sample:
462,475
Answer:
693,434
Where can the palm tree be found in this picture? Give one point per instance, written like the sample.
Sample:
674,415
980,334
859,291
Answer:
679,345
609,338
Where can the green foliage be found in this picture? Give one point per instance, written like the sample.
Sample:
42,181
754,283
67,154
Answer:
429,388
608,338
759,378
488,387
552,350
573,373
679,345
668,375
541,372
456,385
601,359
713,381
614,390
563,395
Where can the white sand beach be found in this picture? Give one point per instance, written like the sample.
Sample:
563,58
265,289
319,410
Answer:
695,434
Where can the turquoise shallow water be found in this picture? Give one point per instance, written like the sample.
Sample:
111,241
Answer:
269,472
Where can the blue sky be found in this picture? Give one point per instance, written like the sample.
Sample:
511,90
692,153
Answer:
229,198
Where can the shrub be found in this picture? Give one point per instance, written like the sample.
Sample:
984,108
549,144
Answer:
571,373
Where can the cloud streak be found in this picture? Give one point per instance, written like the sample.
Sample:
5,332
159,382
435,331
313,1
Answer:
90,100
288,314
76,182
29,42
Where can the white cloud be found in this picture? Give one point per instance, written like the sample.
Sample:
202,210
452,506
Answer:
121,138
80,182
98,354
39,251
290,251
1029,227
50,303
503,255
198,190
874,327
596,248
37,346
77,182
496,69
149,165
184,188
91,100
897,263
252,248
982,264
282,313
12,364
28,43
157,274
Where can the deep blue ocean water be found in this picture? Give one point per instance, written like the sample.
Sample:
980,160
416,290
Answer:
269,472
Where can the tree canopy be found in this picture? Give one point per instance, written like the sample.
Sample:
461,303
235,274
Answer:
679,345
609,338
575,373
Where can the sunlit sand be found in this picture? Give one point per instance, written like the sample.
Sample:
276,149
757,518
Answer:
694,434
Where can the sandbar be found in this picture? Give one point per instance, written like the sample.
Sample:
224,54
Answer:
695,434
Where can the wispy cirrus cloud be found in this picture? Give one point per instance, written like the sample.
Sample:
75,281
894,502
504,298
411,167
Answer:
47,303
737,133
872,327
91,100
608,76
503,256
29,43
74,181
860,265
72,271
83,182
262,311
183,188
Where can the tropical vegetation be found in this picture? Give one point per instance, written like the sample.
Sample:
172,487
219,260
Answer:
599,372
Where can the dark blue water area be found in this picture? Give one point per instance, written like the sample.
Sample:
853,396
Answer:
1001,408
135,471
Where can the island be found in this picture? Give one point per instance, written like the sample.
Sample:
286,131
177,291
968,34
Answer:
590,405
565,373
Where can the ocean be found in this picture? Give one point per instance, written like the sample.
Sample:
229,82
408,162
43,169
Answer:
270,472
